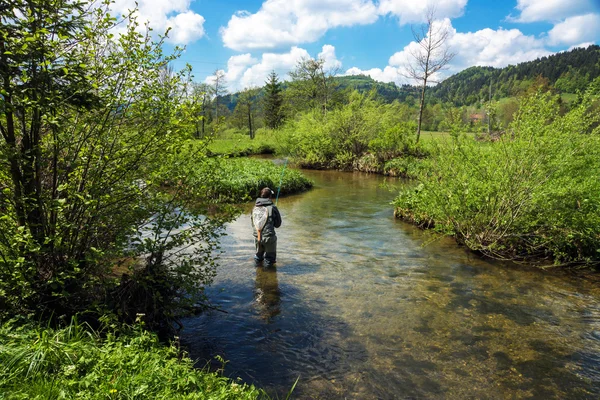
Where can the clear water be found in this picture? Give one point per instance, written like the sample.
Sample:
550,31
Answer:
362,306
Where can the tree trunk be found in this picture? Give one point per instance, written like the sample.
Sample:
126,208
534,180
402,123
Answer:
421,107
250,122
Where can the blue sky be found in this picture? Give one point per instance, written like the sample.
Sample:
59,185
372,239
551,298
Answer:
248,39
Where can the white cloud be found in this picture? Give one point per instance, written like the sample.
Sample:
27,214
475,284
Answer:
581,46
551,10
186,25
281,23
328,55
388,74
486,47
244,71
281,63
576,29
410,11
495,48
236,66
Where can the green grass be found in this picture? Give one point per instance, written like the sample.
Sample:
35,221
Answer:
77,363
236,180
438,135
235,144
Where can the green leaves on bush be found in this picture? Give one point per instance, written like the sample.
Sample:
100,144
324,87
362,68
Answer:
533,194
235,180
342,137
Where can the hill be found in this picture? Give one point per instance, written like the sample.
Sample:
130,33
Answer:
567,71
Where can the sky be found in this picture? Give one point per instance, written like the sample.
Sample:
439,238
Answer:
249,39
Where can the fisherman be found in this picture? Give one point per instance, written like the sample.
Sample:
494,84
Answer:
265,218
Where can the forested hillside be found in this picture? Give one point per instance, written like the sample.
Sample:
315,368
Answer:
568,72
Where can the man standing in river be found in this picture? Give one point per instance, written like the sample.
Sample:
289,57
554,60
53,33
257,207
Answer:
265,218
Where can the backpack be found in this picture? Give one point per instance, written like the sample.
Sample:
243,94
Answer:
260,215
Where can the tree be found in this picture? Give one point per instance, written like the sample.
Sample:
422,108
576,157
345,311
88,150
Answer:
272,101
246,109
91,125
429,57
219,89
200,94
312,85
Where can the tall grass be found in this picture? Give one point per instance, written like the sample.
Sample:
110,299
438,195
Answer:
77,363
232,143
234,180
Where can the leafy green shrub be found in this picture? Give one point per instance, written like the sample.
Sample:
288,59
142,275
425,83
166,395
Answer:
346,137
407,167
534,193
90,122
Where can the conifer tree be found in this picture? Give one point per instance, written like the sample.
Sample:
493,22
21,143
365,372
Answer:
273,100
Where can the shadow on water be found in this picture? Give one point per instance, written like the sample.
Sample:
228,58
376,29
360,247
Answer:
359,308
271,335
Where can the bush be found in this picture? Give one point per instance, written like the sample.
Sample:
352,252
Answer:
346,138
533,194
90,122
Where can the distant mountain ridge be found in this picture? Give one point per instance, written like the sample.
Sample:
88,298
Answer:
567,72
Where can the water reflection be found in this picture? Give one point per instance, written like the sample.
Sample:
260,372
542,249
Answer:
266,293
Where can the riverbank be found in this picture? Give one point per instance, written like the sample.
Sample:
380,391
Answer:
531,196
76,362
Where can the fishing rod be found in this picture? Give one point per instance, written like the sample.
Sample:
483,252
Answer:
280,180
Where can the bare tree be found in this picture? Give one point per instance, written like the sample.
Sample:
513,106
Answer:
219,89
431,55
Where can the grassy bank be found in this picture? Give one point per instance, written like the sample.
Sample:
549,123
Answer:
234,180
532,195
77,363
234,143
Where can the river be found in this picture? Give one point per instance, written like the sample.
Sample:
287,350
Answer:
363,306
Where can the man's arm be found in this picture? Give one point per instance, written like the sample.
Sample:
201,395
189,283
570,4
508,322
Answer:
276,217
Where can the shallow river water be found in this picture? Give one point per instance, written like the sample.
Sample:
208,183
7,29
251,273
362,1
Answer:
363,306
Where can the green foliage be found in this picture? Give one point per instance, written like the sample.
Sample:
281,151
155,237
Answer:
273,102
235,180
533,194
387,92
78,363
88,121
568,71
246,111
313,87
234,143
341,138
